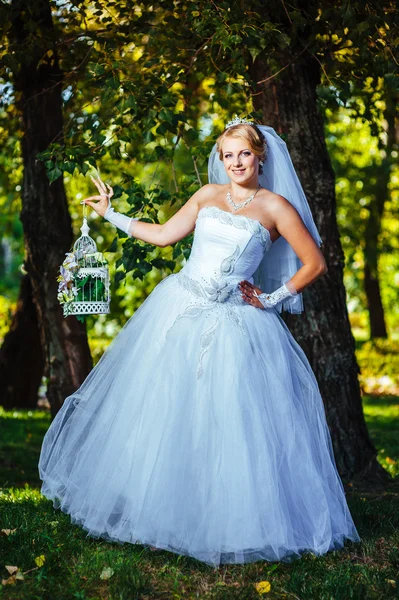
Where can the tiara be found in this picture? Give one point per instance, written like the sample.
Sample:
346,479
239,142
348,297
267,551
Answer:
238,121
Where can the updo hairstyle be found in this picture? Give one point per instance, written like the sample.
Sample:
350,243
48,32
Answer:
251,134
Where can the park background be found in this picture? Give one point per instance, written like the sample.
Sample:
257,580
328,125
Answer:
138,94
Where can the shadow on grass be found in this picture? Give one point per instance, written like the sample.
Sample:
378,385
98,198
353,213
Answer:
21,435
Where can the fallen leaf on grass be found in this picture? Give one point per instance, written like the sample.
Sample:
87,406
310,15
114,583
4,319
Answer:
263,587
11,569
10,581
40,560
7,531
106,573
15,574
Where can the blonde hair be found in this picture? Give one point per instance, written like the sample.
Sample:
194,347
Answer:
251,134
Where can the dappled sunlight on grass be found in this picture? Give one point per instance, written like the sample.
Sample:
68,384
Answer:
379,366
19,495
24,415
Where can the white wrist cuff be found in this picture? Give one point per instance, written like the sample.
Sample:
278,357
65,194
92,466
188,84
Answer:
122,222
287,290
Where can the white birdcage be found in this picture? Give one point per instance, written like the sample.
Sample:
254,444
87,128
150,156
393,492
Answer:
84,278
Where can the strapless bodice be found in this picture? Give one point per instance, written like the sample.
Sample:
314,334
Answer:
225,245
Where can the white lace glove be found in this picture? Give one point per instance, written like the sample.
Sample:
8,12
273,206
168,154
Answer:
122,222
270,300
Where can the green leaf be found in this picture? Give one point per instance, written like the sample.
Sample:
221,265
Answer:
166,115
138,275
119,276
69,166
148,136
254,52
96,68
114,245
113,81
162,128
54,174
130,101
145,267
107,95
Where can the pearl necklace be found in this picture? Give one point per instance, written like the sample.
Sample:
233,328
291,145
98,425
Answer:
242,204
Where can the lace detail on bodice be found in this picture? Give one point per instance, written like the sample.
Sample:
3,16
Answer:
219,290
239,221
218,295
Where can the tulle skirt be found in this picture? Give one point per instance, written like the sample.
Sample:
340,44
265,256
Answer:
202,432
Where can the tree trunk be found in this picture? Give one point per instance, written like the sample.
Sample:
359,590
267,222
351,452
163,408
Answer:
21,355
45,217
289,104
379,195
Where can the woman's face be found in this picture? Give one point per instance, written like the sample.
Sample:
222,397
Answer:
241,164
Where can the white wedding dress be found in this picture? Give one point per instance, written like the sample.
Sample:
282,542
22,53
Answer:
201,430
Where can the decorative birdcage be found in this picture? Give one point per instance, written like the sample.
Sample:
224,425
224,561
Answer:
84,279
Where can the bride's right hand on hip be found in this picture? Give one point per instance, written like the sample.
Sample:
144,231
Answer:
104,198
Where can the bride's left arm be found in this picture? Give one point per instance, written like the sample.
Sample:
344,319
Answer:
290,226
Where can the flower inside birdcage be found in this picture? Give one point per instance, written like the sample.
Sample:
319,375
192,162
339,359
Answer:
83,282
67,290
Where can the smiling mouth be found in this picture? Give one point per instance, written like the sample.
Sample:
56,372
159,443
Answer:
238,171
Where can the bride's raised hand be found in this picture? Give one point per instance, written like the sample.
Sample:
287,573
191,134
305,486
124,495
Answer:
103,199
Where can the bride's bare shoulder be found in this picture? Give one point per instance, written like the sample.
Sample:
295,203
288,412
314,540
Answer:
207,193
275,201
211,190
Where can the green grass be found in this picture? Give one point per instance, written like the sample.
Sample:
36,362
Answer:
73,562
382,416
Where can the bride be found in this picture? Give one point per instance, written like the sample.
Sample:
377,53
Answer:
201,430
